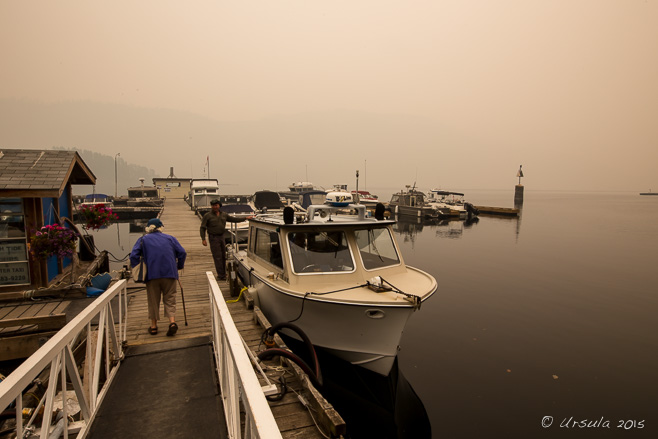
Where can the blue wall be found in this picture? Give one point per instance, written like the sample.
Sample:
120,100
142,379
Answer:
49,218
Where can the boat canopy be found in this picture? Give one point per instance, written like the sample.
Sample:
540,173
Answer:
312,197
97,197
143,192
267,199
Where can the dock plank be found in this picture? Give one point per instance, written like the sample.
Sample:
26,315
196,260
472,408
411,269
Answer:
292,417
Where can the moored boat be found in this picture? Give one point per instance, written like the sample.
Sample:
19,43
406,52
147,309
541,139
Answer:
453,202
144,196
340,278
95,200
413,203
202,192
365,198
296,189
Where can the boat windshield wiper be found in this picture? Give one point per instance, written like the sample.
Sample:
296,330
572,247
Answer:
371,243
330,240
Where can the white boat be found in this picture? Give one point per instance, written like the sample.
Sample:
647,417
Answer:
202,192
365,198
453,202
92,200
340,278
296,189
144,196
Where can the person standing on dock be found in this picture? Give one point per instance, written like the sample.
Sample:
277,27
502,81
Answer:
163,256
215,223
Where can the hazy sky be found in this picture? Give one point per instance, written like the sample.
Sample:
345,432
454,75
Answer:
568,88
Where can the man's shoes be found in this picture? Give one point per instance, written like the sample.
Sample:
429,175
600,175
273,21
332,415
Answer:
172,329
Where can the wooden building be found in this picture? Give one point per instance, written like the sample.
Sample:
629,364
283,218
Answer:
172,187
35,190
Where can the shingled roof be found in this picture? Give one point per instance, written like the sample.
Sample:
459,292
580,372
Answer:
41,173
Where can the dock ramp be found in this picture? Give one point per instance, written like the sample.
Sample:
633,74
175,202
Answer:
167,389
163,390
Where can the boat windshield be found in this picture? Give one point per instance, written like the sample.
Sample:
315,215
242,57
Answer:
320,252
377,248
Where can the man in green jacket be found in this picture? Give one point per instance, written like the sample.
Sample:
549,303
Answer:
215,223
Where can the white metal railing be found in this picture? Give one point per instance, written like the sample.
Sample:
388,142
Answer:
238,381
57,355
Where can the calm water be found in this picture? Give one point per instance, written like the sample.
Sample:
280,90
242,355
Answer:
552,314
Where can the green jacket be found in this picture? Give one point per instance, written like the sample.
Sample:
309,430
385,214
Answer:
216,224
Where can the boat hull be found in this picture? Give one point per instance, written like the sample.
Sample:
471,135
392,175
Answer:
419,212
367,335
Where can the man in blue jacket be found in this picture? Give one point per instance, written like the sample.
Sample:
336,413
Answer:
163,256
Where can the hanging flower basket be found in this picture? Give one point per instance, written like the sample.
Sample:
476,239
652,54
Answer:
97,216
53,240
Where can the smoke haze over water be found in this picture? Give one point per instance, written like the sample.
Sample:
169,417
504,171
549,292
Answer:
448,94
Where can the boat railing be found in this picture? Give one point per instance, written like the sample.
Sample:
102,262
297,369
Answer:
313,209
55,364
240,388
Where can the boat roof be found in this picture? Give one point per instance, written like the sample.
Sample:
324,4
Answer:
143,188
213,183
301,184
96,197
439,192
328,216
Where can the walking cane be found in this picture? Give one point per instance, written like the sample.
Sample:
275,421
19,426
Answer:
183,297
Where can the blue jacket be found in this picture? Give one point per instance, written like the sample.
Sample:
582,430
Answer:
163,255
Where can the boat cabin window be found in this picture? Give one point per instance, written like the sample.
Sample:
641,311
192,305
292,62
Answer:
267,247
376,247
320,252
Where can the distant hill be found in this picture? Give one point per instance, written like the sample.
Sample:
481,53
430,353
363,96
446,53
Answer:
102,166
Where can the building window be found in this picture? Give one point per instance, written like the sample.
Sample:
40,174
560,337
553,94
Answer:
14,264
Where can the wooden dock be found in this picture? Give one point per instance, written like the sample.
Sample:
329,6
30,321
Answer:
501,211
293,418
25,327
28,318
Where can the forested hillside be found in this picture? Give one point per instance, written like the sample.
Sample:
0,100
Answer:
103,167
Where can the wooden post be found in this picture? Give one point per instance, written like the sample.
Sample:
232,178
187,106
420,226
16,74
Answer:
518,196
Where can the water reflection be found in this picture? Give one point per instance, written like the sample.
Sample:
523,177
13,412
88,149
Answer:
118,239
409,227
372,405
138,225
